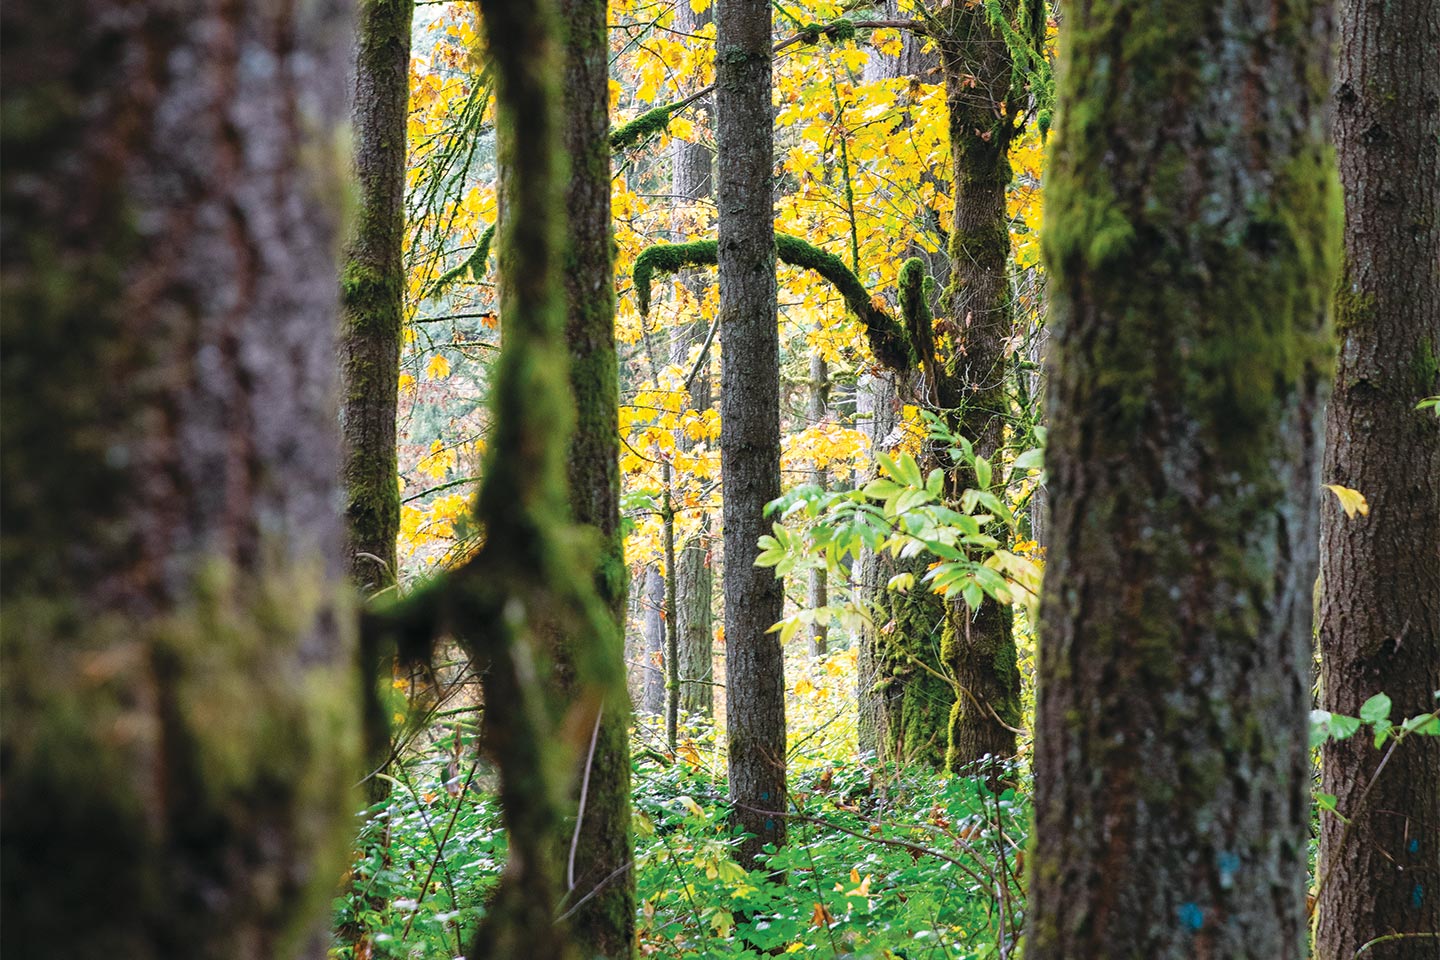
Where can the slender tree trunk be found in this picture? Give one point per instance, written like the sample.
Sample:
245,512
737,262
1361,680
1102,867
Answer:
816,594
1380,606
180,730
372,300
696,658
653,630
983,101
750,421
598,875
372,288
1191,230
694,575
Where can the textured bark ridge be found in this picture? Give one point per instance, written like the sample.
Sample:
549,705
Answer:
179,706
604,923
750,420
1191,231
1380,604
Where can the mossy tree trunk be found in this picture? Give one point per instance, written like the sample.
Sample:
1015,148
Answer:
905,699
1380,605
599,880
1191,227
750,421
984,101
372,299
180,729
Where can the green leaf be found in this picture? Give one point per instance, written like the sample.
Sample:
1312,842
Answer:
1032,459
983,473
1326,801
1342,727
1426,724
1376,709
973,594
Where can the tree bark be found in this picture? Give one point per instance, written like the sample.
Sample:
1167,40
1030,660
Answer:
179,700
984,101
604,923
1380,603
694,575
653,627
905,699
693,581
372,286
372,302
1191,228
750,421
817,594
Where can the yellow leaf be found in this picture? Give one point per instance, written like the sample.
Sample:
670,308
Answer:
438,368
804,688
682,128
1351,501
407,383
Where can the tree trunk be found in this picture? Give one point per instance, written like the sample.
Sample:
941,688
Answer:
983,101
653,628
1380,605
905,699
816,594
750,421
1191,233
179,699
697,672
372,301
694,575
372,287
604,923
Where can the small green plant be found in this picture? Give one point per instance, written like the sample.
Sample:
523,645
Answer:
907,514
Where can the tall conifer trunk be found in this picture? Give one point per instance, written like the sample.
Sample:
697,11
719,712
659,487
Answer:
604,923
179,726
904,705
983,101
1380,608
1191,228
372,299
749,420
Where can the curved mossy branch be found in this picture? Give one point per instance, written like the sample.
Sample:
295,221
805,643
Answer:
646,125
472,267
889,340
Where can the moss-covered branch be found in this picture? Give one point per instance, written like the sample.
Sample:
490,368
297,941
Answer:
889,341
646,125
472,268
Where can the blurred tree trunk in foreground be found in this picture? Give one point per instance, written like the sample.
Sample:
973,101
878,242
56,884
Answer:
179,701
1191,227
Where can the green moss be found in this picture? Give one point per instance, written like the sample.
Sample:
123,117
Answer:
1427,365
163,751
647,125
887,338
667,258
472,268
